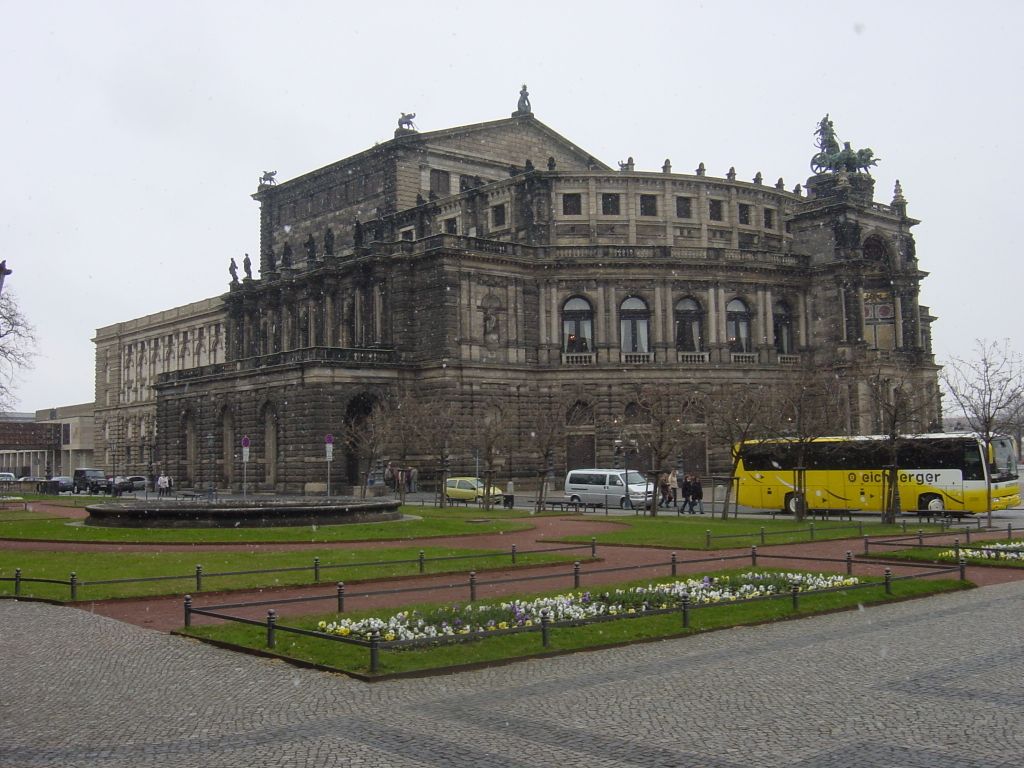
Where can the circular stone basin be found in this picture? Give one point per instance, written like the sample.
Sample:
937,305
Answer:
240,513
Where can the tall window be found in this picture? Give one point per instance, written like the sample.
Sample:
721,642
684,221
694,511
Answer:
684,208
782,318
577,326
572,204
743,213
715,210
440,182
689,326
634,319
769,218
737,326
610,205
648,205
498,215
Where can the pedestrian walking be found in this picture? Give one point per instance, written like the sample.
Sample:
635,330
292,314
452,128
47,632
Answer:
673,488
696,495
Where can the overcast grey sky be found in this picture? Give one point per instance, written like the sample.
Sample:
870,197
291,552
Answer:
134,133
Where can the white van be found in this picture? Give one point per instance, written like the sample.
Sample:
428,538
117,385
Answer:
609,487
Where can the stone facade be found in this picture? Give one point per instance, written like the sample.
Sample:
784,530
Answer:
499,266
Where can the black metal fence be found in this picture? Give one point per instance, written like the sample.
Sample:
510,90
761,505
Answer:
812,531
375,643
917,540
198,577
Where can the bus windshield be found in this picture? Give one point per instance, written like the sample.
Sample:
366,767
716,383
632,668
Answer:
1004,459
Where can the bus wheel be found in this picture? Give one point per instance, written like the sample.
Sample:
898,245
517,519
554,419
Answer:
931,502
790,503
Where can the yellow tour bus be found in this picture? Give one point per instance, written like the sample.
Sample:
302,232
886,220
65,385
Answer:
936,473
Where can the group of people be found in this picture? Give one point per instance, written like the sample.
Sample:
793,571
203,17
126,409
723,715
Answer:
690,492
164,485
395,477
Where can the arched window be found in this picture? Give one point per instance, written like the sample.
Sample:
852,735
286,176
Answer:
634,320
577,326
783,326
689,326
737,326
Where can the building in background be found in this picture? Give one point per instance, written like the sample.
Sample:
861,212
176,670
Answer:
501,268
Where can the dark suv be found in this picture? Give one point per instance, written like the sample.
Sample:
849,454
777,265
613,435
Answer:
90,481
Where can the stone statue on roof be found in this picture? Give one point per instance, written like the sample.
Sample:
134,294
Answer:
523,108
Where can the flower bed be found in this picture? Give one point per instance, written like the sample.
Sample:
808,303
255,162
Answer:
455,620
1013,550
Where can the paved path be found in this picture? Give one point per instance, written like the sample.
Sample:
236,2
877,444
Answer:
923,684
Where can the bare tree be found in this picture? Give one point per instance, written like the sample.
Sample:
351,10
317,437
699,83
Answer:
988,390
491,437
733,416
903,406
17,346
367,439
805,408
546,434
435,434
658,427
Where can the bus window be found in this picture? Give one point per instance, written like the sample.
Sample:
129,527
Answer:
1004,458
972,466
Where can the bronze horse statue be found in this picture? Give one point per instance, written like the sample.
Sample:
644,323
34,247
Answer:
405,121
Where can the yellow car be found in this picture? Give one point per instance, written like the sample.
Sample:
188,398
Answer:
470,489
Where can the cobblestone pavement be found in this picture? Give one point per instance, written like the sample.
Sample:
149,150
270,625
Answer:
926,683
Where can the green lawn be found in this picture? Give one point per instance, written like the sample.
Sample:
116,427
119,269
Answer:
689,532
355,659
433,522
101,566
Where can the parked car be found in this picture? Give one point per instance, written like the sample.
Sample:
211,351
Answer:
608,486
470,489
30,479
7,477
64,483
137,482
89,480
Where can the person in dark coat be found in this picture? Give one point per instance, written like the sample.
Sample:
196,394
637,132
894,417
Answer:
685,492
696,495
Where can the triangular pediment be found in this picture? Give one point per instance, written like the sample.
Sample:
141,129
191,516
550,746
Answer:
511,141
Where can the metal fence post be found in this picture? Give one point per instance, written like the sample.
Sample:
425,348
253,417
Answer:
920,537
811,528
17,582
707,539
968,532
963,569
795,590
860,527
674,563
423,562
593,546
513,554
199,578
341,597
73,583
316,570
188,611
956,548
544,621
576,575
685,605
904,524
849,563
866,540
271,623
1009,531
375,651
472,586
762,534
753,557
888,581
